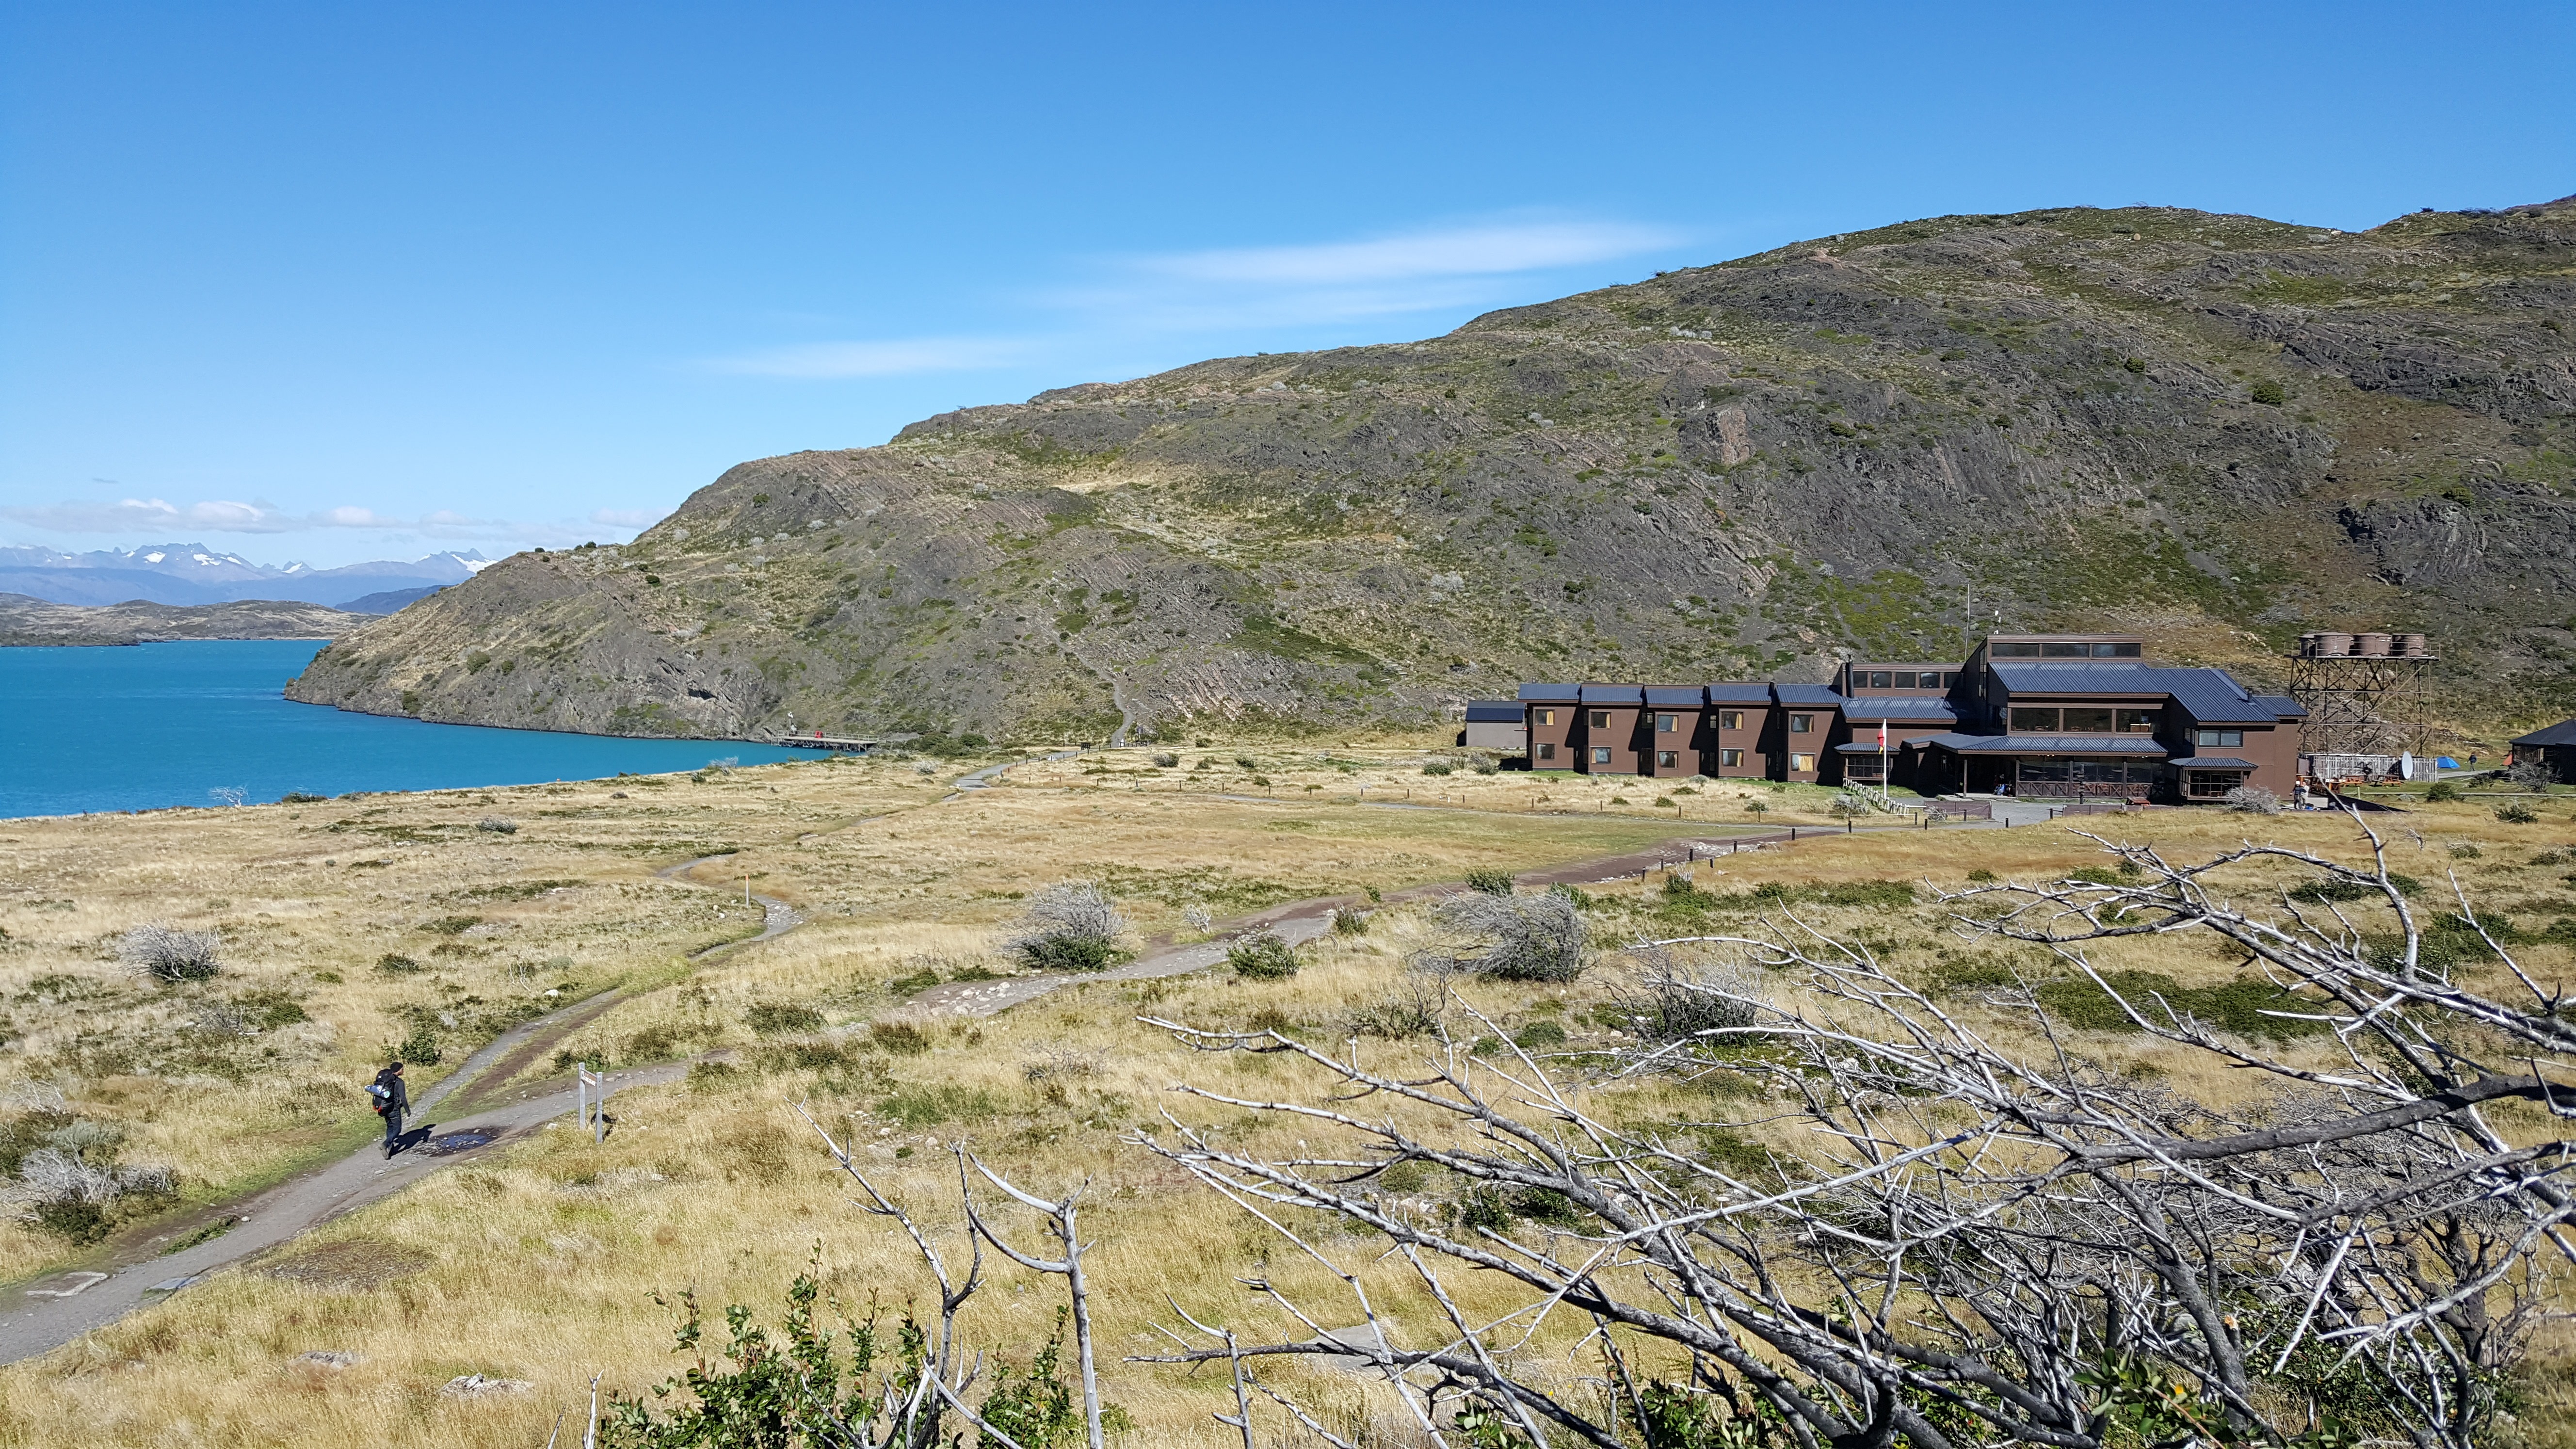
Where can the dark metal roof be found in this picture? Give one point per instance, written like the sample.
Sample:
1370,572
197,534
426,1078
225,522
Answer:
1494,711
1865,747
1820,696
2561,733
1739,694
2216,762
1613,694
1551,693
2209,696
1923,708
2282,706
2045,744
1675,696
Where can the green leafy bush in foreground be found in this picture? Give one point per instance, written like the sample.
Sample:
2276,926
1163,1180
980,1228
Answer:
812,1386
1264,955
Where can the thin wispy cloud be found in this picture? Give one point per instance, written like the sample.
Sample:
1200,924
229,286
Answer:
895,358
149,516
1153,298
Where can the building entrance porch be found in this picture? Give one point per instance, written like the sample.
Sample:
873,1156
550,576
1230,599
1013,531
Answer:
2045,779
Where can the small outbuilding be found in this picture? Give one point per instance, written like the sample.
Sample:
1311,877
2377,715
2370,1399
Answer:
2554,747
1500,725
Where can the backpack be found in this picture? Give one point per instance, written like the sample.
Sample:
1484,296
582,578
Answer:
384,1096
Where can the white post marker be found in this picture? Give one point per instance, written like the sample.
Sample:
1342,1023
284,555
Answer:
580,1093
596,1114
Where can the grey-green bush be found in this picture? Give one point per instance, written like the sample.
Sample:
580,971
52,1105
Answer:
1263,955
165,953
1070,926
1513,938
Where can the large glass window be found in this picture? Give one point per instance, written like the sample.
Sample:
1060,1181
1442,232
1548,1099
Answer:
2087,721
1601,754
2210,784
1802,724
2034,719
1730,719
1663,724
1667,759
1880,679
2012,651
1802,763
1730,759
1601,719
2228,738
2137,721
1547,751
1547,716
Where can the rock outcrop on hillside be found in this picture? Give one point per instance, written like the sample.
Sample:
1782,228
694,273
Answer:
2218,429
26,621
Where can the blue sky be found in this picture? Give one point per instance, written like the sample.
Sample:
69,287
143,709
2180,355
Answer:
337,282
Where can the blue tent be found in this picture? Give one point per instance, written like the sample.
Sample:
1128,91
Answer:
2447,763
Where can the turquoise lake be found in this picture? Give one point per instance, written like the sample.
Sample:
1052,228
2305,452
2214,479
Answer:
155,725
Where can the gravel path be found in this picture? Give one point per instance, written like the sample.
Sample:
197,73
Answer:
55,1309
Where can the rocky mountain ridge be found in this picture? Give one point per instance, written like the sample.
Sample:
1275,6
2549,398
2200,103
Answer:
2218,429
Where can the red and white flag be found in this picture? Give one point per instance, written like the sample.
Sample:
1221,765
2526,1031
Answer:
1882,734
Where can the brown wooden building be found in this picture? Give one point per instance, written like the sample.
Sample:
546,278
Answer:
2044,715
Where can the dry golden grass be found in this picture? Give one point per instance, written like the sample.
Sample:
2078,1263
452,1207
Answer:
539,1261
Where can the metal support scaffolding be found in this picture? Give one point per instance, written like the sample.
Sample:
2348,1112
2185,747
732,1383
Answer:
2363,704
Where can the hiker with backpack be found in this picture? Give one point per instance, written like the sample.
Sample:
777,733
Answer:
391,1102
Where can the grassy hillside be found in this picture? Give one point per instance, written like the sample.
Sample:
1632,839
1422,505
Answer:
2216,429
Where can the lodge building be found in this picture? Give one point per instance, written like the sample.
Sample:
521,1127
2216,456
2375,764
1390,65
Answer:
2053,716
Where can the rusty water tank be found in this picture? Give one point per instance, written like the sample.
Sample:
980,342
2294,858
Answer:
2370,646
2411,646
2331,645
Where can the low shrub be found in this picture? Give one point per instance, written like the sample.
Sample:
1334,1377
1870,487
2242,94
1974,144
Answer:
899,1038
2253,800
1070,926
1513,938
1982,876
1349,921
1539,1035
2237,1006
2442,792
497,825
1439,767
929,1104
770,1018
1412,1009
1667,1005
393,965
1263,955
2514,812
421,1048
1490,882
167,954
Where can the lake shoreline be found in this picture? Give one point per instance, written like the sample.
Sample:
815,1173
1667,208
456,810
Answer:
101,730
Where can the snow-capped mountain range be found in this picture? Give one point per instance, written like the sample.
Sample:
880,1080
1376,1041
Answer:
191,573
